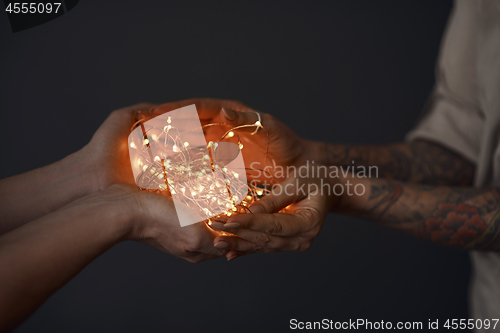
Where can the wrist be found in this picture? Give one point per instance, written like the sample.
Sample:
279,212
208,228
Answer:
354,191
315,151
70,178
122,208
89,170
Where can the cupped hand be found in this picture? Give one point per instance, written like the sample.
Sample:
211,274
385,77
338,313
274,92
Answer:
155,223
305,201
282,145
107,151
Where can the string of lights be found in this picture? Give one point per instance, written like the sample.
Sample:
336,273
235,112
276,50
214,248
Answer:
198,176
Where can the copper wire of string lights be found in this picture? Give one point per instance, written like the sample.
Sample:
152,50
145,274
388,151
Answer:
201,177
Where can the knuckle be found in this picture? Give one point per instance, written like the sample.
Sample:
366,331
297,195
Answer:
223,252
262,240
268,205
305,246
273,204
193,246
313,216
275,228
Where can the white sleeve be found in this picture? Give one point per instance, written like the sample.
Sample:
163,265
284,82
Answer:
452,117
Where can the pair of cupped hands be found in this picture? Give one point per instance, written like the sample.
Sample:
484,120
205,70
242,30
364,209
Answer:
154,221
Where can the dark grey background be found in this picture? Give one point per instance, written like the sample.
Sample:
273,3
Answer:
339,71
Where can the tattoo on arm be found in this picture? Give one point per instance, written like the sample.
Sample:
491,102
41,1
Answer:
420,161
467,218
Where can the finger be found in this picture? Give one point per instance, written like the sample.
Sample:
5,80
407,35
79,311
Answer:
196,258
278,224
238,118
233,254
266,241
138,107
235,243
282,195
208,108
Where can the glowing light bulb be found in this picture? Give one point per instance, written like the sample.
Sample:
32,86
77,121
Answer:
175,148
154,137
236,175
145,142
157,158
144,168
169,120
259,192
234,209
186,144
230,134
258,123
241,146
132,145
224,169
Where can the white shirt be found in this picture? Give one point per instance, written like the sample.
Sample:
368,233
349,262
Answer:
463,114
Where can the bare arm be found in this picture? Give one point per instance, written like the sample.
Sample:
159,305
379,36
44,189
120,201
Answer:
30,195
40,257
104,161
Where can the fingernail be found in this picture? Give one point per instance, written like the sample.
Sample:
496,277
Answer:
232,257
221,245
230,114
218,226
232,225
256,209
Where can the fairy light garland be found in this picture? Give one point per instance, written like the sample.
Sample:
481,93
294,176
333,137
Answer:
200,180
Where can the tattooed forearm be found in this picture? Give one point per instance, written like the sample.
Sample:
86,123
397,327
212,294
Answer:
420,161
463,217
